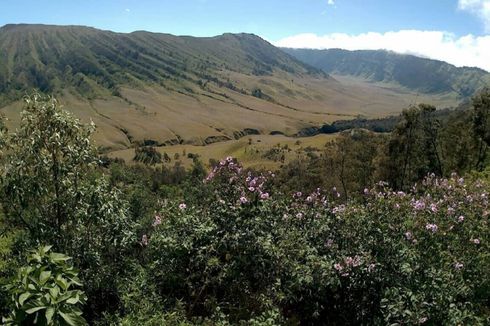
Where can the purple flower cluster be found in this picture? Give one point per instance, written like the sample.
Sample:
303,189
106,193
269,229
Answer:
349,263
255,186
431,227
229,164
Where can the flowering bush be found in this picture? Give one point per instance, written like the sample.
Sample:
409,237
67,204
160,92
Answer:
390,257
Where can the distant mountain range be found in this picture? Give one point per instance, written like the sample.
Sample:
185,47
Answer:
415,73
151,88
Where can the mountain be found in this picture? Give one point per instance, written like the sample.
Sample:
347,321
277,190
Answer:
415,73
152,88
53,57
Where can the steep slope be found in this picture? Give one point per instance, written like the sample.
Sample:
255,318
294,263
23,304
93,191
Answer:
156,88
51,57
414,73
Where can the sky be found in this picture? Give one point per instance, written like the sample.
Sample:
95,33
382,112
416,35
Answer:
457,31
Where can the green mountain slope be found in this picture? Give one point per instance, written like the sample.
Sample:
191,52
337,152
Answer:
151,88
53,57
415,73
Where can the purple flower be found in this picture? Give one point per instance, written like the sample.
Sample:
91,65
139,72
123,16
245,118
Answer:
475,241
366,191
450,211
461,219
210,176
419,205
309,199
243,200
431,227
329,243
338,267
408,235
353,261
264,196
182,206
422,320
458,266
251,189
299,215
157,220
433,208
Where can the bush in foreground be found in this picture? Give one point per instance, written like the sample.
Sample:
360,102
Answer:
45,292
392,257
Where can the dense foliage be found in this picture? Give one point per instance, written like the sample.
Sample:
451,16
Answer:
44,292
319,242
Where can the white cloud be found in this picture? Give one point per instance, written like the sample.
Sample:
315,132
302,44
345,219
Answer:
481,8
467,50
331,2
127,10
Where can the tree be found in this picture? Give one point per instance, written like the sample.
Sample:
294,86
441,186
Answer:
414,148
52,189
481,125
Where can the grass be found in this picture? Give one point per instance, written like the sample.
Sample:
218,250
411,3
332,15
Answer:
251,151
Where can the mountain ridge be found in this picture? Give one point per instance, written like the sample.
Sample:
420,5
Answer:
416,73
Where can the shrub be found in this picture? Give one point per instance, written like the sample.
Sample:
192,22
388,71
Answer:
388,258
147,155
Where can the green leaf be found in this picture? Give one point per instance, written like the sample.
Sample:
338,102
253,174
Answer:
23,297
45,249
73,319
49,314
34,309
62,283
54,292
44,277
56,257
73,300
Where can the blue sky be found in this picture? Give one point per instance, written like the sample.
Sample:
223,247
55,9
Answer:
272,19
457,31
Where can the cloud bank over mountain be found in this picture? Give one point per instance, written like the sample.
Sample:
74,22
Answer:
468,50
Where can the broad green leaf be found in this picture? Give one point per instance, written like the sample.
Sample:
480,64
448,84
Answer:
33,310
54,292
58,257
44,277
49,315
73,300
62,283
73,319
23,297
